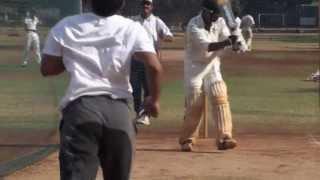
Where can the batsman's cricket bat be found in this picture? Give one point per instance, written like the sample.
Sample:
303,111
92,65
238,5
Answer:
227,13
226,10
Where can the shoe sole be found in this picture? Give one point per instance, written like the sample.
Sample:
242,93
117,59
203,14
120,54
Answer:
226,145
186,148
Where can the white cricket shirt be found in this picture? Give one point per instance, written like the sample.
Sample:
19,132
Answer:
97,52
155,28
247,22
199,63
31,23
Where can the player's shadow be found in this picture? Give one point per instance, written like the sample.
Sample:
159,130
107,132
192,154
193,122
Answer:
176,150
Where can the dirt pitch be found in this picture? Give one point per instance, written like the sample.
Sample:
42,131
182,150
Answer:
258,157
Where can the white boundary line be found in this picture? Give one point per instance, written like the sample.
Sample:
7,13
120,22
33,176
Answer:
313,140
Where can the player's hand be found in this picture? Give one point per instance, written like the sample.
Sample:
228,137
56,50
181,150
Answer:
168,38
151,106
233,39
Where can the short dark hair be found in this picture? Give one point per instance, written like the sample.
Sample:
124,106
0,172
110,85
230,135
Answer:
210,5
107,7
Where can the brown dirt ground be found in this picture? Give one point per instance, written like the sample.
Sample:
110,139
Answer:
258,157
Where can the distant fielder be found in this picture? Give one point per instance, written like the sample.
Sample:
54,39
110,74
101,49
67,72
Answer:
247,23
207,37
32,39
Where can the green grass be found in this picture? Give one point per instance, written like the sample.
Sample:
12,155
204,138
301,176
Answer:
27,100
259,104
179,40
298,39
261,100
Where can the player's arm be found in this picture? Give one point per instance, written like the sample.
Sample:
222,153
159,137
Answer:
168,38
51,65
199,36
225,38
216,46
144,51
154,73
25,24
52,57
163,31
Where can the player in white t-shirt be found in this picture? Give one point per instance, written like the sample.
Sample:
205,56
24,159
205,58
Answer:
32,40
96,49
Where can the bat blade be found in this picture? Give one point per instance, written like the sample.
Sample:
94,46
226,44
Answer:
226,10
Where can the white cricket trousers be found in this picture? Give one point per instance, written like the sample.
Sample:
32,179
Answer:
248,36
32,43
218,98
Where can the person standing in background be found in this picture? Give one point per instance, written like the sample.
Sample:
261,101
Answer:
157,30
32,39
247,23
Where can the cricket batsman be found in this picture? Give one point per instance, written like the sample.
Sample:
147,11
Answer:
207,37
32,39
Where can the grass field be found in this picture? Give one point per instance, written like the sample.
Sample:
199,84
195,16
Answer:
266,91
300,39
263,98
288,39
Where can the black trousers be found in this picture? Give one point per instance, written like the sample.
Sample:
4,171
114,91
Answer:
96,130
138,80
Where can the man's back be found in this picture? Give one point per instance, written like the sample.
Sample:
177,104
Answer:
96,128
97,52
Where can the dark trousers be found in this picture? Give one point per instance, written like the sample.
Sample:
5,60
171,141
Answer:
139,83
96,130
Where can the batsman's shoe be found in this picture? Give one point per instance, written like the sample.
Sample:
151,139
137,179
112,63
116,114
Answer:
187,146
142,119
226,143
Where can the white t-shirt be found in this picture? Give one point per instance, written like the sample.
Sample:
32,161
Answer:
199,63
97,52
31,23
155,27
